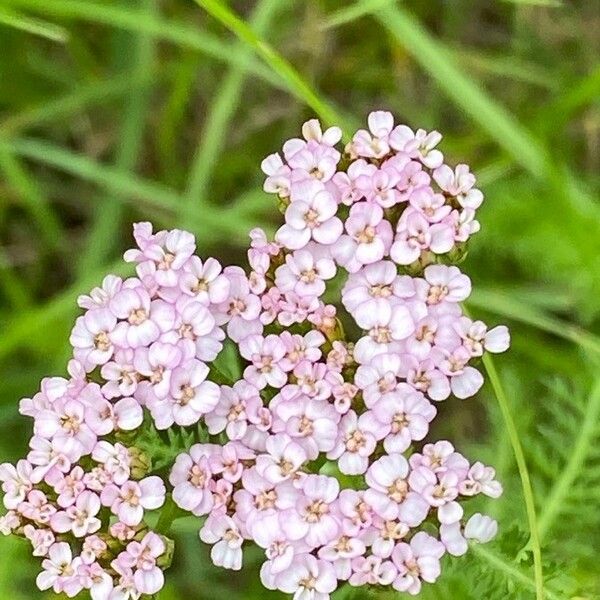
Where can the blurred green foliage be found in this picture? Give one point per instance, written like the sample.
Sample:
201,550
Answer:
115,111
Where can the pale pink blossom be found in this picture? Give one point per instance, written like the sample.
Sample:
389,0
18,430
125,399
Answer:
223,532
130,500
79,518
416,562
311,215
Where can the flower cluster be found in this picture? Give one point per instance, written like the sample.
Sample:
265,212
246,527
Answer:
322,468
140,362
348,329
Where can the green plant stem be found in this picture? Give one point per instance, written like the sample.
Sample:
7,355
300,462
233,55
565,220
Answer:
512,572
523,473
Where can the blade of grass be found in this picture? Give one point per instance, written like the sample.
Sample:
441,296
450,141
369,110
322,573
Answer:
70,103
12,284
353,12
552,3
553,117
161,29
30,193
504,304
109,211
173,114
523,473
286,73
551,506
43,29
466,94
214,133
212,223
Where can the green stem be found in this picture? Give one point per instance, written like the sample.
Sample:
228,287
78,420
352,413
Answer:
523,473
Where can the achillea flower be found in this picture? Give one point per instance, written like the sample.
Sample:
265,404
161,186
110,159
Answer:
314,408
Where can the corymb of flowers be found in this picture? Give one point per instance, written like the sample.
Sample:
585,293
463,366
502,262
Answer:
347,329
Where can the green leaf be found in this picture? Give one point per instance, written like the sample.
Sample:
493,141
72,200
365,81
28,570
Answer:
43,29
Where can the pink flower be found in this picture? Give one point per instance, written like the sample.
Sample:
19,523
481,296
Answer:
129,501
95,579
66,425
312,423
311,519
347,182
191,478
315,160
167,252
476,337
480,480
141,557
415,234
204,281
223,532
481,528
157,364
16,482
375,142
60,571
142,319
10,522
416,562
115,459
41,539
91,337
375,285
236,408
369,237
190,397
443,283
37,507
299,348
69,487
389,493
103,417
383,330
120,375
465,380
440,491
264,354
311,215
308,577
356,442
100,297
242,308
459,183
268,534
283,459
372,570
420,145
304,273
79,518
405,416
378,377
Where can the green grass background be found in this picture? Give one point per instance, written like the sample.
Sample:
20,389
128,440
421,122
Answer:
115,111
